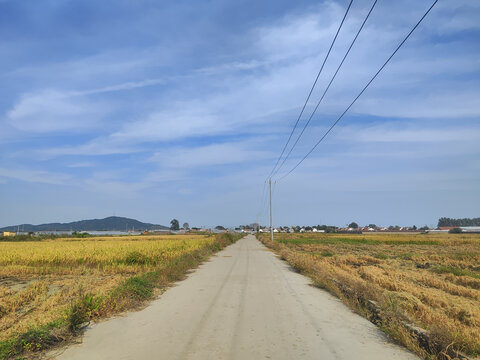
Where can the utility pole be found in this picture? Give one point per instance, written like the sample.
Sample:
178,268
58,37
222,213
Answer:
271,211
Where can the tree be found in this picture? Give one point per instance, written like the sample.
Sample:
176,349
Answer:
174,225
255,226
353,225
186,226
444,221
373,226
220,227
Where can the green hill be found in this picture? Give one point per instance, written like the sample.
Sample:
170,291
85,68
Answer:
112,223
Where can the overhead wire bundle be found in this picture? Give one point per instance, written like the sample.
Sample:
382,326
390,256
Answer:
313,87
282,159
356,98
327,88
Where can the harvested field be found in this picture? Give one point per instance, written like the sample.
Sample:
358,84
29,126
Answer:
401,282
61,283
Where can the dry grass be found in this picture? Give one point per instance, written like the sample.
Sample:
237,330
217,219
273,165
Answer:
430,280
69,281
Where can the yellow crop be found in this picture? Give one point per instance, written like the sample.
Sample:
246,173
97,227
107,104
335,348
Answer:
39,279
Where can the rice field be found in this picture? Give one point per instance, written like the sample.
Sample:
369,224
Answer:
401,282
46,282
105,255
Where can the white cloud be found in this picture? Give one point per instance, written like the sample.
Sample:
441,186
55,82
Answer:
459,105
96,147
36,176
210,155
406,132
182,120
121,87
298,36
456,15
52,111
289,53
83,164
110,65
231,67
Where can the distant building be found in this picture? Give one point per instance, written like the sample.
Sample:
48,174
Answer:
9,233
470,229
157,232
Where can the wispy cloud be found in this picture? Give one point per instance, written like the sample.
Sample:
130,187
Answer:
120,87
51,111
36,176
183,120
83,164
210,155
407,132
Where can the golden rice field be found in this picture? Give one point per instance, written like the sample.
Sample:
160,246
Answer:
105,255
426,281
40,281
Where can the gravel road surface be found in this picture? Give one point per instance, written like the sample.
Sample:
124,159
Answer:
243,304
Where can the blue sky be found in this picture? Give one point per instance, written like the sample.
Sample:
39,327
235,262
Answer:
155,110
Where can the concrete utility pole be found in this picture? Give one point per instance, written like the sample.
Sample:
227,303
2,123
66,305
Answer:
271,211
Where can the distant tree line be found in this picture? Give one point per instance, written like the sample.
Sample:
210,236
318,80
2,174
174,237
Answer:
175,225
444,221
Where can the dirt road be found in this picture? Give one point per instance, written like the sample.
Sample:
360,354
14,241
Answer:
243,304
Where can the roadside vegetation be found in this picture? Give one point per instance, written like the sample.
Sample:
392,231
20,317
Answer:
423,290
50,289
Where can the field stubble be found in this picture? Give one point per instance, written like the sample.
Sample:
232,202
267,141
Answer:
430,281
49,288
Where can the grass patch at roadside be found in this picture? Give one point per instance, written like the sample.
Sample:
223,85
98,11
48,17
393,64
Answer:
34,340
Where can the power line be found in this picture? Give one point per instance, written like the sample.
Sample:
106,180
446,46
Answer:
361,92
326,89
311,90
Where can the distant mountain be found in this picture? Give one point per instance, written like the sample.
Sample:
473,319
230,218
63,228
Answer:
112,223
